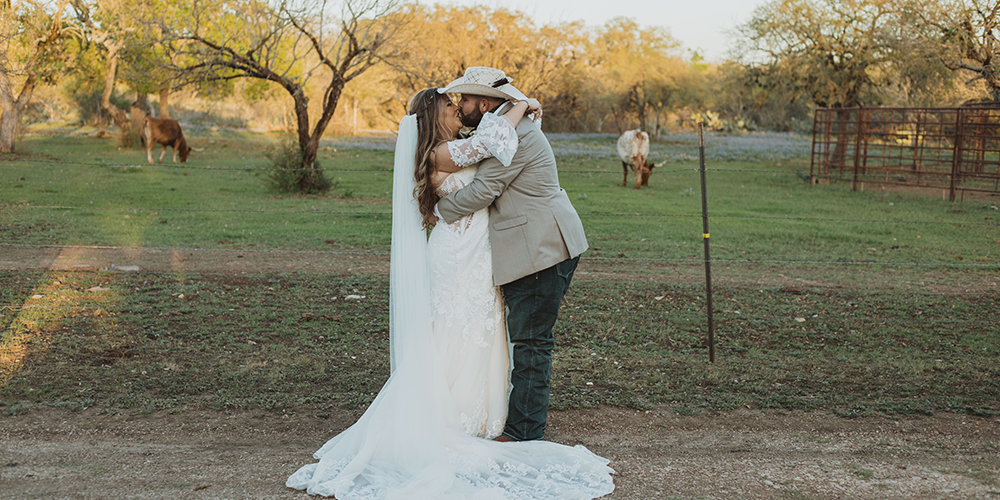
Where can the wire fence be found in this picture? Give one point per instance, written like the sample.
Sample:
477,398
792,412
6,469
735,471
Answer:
660,171
609,259
583,214
377,307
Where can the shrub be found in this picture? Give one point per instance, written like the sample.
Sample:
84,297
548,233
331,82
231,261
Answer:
130,138
290,175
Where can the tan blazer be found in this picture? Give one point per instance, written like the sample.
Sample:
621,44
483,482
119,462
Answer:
533,225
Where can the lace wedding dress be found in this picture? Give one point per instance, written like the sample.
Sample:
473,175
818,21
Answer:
467,315
425,436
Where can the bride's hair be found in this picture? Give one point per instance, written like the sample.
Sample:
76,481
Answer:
427,106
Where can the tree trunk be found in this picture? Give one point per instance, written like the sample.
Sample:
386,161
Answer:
354,117
11,117
302,125
120,117
640,110
165,103
139,110
310,152
992,82
657,127
330,100
842,132
311,178
8,115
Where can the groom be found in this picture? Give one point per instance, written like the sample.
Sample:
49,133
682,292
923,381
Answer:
536,236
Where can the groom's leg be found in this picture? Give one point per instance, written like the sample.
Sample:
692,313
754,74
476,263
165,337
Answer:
532,305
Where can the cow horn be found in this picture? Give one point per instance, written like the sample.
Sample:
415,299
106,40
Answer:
197,149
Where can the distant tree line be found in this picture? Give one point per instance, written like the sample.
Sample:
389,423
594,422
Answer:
303,59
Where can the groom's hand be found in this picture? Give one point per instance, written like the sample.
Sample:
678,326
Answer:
437,215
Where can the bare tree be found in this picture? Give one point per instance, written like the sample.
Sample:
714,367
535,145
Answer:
291,44
26,42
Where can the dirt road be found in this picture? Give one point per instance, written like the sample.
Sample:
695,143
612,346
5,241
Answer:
203,454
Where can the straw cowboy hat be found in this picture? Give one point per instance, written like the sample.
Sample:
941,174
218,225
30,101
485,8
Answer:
484,81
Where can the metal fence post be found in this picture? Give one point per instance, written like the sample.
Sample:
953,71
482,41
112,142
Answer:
704,235
858,131
812,155
956,159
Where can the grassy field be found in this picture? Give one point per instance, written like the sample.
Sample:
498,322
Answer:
852,302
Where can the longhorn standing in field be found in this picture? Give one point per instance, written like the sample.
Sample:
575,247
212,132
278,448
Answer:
166,133
633,146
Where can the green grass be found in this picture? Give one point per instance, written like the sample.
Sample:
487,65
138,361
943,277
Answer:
281,341
840,334
861,473
109,201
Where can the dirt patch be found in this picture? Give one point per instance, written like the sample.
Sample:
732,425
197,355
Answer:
197,453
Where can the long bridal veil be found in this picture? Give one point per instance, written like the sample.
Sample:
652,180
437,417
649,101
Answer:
409,443
395,439
409,278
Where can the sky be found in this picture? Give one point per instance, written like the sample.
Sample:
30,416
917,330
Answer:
697,24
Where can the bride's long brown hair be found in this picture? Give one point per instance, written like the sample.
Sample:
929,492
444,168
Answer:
427,105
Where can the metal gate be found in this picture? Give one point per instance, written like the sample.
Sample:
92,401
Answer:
954,149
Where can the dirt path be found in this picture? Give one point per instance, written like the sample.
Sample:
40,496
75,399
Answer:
231,262
205,454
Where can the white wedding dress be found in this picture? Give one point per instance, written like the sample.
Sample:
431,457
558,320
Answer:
467,314
426,434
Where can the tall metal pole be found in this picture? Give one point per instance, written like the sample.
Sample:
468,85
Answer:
859,131
708,261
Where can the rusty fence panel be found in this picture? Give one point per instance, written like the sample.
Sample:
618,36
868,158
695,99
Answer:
954,149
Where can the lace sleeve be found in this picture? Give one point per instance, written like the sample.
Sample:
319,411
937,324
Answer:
494,137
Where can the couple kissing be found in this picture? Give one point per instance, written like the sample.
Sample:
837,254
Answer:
472,307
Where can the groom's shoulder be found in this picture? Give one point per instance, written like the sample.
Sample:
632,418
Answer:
529,129
527,124
530,136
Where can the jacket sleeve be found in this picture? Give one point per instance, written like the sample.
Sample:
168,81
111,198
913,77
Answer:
490,181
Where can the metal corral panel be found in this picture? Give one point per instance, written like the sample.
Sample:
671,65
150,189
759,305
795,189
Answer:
954,149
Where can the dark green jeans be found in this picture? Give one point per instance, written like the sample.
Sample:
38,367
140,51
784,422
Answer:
532,305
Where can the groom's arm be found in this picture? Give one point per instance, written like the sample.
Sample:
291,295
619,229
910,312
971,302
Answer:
492,178
490,181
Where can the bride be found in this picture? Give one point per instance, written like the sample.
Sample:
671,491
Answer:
427,434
